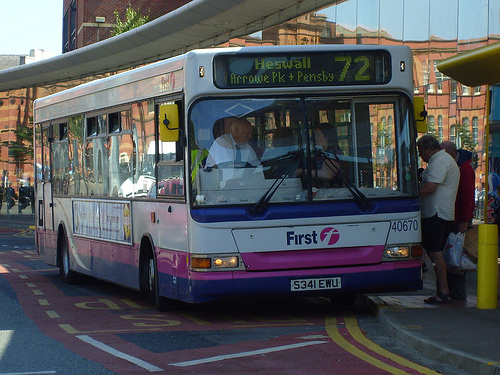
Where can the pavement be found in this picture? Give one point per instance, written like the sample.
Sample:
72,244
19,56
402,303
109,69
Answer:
456,333
17,220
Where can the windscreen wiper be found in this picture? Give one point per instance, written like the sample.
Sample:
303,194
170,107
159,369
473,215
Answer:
356,193
292,156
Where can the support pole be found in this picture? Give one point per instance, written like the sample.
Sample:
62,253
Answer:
487,266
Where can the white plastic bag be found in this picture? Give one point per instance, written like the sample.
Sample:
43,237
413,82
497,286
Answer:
466,264
453,250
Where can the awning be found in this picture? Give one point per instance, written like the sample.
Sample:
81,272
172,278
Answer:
477,67
198,24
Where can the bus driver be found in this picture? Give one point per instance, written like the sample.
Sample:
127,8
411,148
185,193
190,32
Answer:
234,147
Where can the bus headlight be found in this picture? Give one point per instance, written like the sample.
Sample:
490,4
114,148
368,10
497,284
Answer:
216,262
226,262
397,252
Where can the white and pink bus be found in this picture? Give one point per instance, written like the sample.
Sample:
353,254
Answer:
125,194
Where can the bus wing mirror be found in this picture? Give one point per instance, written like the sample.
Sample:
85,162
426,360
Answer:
420,114
169,123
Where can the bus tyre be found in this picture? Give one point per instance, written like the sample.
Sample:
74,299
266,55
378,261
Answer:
64,269
152,287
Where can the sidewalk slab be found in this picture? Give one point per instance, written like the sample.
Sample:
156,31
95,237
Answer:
20,221
456,333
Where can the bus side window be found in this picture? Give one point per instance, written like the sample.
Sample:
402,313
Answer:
170,171
170,166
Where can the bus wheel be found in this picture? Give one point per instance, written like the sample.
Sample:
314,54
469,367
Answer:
152,288
64,269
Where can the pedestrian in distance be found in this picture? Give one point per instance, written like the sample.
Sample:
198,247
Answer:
10,196
1,195
31,195
464,210
437,191
22,202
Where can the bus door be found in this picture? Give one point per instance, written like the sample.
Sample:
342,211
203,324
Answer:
44,186
47,210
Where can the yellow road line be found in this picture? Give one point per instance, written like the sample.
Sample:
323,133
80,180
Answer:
195,319
336,336
353,328
52,314
333,332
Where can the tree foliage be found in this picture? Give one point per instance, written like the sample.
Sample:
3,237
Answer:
466,140
431,129
133,19
21,149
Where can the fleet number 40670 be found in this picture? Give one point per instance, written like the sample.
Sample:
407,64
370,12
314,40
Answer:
404,225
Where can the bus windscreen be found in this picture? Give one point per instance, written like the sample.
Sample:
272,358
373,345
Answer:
302,69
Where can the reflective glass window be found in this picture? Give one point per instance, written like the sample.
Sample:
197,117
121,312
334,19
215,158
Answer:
281,150
391,19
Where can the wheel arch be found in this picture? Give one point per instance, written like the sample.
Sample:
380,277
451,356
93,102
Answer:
146,251
61,236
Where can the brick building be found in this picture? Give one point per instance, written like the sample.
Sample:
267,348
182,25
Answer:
451,106
16,109
85,22
90,21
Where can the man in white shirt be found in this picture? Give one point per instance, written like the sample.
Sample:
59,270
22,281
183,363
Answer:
233,147
438,191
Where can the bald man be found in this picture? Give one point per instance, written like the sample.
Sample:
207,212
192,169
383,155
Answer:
233,147
437,191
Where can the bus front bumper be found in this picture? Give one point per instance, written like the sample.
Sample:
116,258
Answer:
379,278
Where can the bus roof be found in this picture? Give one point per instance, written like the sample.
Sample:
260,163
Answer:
156,79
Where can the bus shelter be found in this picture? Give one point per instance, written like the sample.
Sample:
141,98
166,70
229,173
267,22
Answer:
475,68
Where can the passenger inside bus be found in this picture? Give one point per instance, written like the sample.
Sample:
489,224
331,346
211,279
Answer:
232,149
326,172
276,157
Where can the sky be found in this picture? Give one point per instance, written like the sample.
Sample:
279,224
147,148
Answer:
30,24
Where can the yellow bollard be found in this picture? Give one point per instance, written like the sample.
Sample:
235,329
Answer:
487,266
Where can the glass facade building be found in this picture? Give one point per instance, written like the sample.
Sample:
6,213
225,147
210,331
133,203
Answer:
434,30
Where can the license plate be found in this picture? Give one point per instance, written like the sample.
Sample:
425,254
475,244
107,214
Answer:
324,283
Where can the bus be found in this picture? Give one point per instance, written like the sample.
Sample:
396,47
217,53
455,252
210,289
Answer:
124,192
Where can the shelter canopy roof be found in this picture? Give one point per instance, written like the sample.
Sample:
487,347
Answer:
197,24
474,68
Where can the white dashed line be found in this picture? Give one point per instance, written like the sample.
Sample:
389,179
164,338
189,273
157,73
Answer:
246,354
117,353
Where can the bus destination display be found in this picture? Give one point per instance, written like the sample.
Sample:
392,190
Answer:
299,69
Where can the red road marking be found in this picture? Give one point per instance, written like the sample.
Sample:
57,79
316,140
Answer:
104,318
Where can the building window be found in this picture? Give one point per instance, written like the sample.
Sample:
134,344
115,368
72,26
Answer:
475,130
69,28
439,78
390,125
453,134
465,90
440,127
426,72
453,91
477,90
